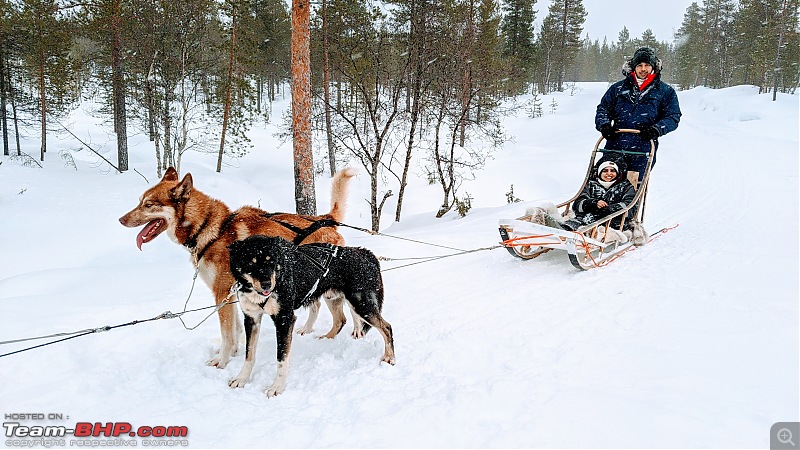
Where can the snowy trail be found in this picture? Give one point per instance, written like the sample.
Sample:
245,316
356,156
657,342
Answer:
690,341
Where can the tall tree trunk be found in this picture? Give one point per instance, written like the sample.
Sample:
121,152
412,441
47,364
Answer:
305,198
151,102
43,100
465,97
418,37
169,159
159,163
14,111
228,89
561,57
326,83
118,87
259,93
441,164
777,66
3,92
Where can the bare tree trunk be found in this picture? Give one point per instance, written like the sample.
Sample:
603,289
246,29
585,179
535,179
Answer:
14,112
777,66
561,58
259,93
169,160
440,163
467,81
418,36
305,198
159,162
326,83
228,88
151,103
180,144
43,100
3,92
118,87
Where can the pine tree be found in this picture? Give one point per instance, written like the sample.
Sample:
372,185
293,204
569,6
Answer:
559,41
10,51
648,39
45,48
716,63
264,45
177,45
489,65
518,34
103,23
688,48
786,44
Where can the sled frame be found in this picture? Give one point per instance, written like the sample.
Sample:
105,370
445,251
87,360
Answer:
527,240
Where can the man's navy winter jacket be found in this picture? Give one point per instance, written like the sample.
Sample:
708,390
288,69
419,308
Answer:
625,107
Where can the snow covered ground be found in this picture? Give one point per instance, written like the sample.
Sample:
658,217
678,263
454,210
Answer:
690,341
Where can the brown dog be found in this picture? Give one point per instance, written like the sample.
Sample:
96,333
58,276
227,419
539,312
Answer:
206,226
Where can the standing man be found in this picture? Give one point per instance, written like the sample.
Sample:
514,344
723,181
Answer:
643,102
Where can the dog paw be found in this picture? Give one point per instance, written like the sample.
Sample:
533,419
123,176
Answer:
328,335
302,331
273,391
358,334
237,382
217,362
389,360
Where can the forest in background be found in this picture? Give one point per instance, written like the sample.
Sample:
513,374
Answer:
391,80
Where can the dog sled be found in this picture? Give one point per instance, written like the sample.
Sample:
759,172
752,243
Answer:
592,245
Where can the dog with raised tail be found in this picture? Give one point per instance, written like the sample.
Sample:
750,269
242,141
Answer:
275,277
206,227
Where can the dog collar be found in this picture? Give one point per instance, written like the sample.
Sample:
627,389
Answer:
191,243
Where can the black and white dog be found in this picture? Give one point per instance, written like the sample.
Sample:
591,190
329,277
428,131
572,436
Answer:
275,277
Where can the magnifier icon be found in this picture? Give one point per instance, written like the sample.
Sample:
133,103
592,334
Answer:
785,436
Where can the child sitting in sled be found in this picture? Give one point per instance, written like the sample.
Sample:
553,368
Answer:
607,192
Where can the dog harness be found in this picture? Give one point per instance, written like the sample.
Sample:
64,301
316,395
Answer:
302,233
321,256
191,243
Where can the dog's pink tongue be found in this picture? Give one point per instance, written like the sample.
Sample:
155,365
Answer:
144,235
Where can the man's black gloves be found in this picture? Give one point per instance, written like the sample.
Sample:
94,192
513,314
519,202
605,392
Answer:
607,131
650,133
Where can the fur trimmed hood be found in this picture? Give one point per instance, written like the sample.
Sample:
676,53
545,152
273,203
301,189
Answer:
643,54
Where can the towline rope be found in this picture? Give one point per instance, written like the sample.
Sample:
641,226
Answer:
164,315
420,259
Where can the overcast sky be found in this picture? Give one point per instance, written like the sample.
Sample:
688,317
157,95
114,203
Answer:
607,17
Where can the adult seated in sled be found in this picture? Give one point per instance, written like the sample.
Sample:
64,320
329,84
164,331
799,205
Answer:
640,101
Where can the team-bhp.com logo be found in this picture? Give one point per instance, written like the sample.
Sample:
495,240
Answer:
87,434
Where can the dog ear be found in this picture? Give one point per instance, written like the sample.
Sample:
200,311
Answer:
183,189
171,175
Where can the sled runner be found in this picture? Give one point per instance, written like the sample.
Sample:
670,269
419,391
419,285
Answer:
592,245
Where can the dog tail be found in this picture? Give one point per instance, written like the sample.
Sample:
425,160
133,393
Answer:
339,188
